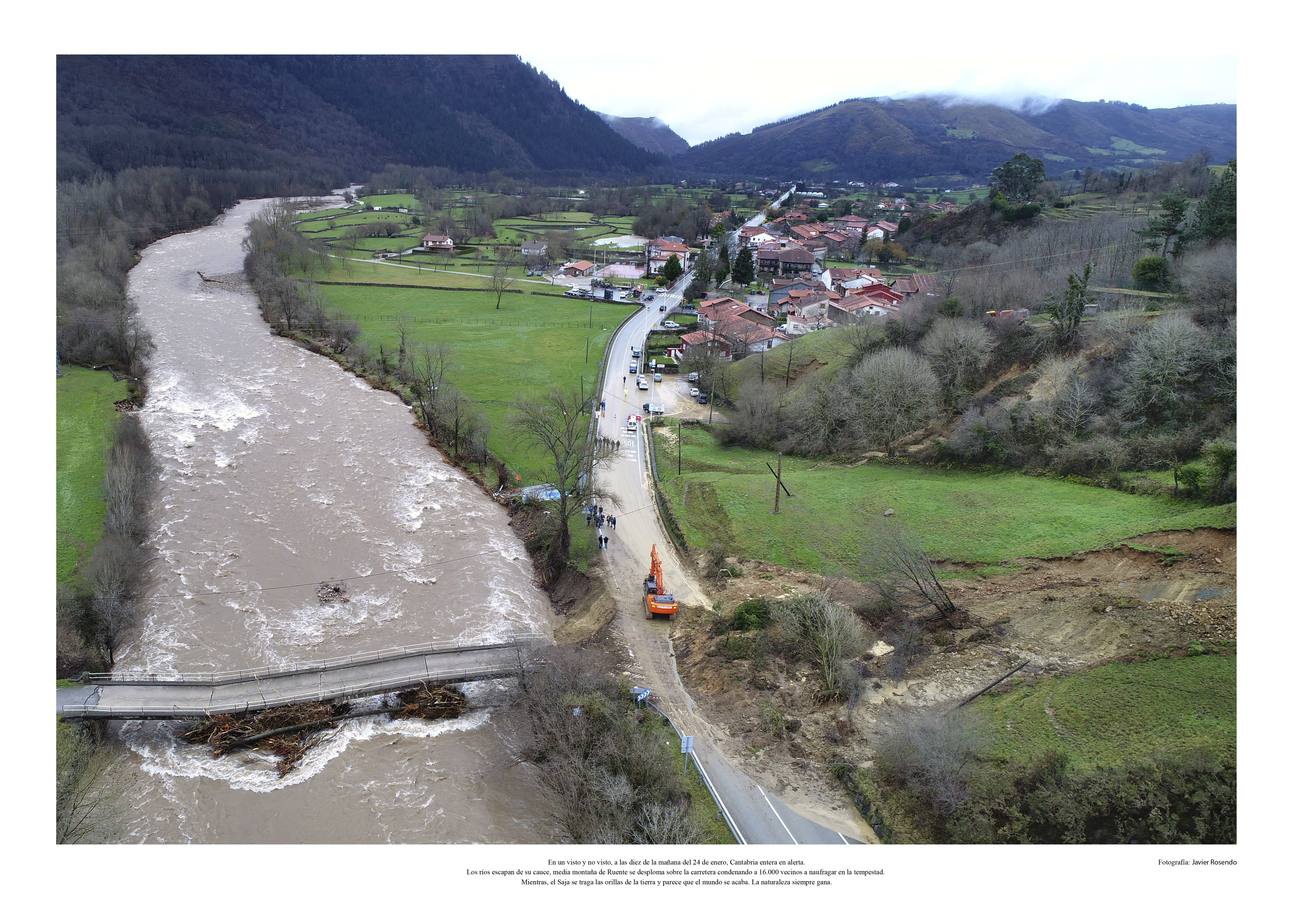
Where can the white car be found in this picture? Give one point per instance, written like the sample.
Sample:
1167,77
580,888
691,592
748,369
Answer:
658,377
695,392
670,323
642,384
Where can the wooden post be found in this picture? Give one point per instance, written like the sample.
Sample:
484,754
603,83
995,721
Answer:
680,446
776,490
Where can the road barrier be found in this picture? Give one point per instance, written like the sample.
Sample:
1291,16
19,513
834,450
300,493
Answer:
704,776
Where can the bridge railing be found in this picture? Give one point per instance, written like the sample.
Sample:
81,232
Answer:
341,692
338,662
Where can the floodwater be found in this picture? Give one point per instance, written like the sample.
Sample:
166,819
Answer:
278,468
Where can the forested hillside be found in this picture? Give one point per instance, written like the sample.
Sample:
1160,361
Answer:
336,115
649,133
880,139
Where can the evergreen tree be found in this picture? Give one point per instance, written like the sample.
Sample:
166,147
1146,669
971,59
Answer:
743,270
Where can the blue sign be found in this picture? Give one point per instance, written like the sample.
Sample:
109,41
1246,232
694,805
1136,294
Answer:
686,743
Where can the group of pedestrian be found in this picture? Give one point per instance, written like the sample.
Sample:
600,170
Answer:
606,443
596,515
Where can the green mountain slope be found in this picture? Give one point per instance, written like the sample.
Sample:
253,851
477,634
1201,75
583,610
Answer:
351,114
877,138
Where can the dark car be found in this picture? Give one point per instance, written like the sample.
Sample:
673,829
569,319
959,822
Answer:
702,397
662,307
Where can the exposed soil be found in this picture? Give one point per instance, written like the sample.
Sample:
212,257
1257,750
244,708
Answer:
1058,615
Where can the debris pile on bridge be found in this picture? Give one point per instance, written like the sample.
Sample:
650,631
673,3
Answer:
289,732
429,702
286,732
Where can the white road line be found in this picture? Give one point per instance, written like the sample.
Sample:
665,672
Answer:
777,814
843,839
721,805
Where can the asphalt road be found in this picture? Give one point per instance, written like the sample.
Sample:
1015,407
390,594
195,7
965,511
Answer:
761,817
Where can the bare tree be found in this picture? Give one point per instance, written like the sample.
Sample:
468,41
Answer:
557,423
830,634
899,389
957,350
501,278
896,566
1165,363
861,338
81,797
428,366
932,754
116,577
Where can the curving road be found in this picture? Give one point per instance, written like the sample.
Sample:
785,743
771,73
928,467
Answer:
760,816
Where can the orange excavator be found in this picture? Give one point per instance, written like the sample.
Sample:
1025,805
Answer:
653,593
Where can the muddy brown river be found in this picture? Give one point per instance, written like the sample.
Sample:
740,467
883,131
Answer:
278,468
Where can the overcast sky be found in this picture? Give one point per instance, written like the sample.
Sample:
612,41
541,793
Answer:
714,94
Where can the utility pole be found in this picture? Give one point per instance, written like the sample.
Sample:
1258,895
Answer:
680,445
780,486
789,359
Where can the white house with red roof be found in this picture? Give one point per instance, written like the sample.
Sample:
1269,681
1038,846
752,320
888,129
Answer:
659,251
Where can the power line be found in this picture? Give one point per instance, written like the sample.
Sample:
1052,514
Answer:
304,584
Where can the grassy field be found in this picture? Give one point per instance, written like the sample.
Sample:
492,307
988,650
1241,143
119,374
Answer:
1117,713
725,495
85,419
533,343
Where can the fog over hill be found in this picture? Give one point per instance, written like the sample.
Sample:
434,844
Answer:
927,136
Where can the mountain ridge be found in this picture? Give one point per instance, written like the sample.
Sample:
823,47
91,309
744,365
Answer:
649,133
874,138
351,114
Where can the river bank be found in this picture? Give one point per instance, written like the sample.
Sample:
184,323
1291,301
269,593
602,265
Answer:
278,469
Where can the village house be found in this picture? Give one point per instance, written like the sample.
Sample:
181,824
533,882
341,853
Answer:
437,243
781,288
577,269
713,314
659,251
746,337
534,251
702,340
918,286
867,306
789,261
854,224
848,279
880,292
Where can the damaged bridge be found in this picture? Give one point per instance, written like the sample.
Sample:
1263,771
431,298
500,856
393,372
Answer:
136,695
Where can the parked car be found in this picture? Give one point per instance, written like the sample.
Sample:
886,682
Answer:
670,323
702,398
693,377
642,384
573,292
658,377
633,423
636,352
662,307
633,368
695,392
649,297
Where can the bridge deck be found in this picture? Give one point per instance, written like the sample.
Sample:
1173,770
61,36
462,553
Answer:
133,696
